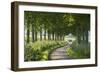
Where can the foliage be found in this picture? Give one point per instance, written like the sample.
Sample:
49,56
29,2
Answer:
45,31
79,51
39,50
58,24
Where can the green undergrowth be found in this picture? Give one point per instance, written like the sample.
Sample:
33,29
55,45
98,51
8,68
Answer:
79,51
39,50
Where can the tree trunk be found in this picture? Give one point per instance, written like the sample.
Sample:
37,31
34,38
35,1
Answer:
32,33
79,38
52,35
41,34
86,36
60,37
48,35
55,36
35,35
45,34
63,37
28,32
83,37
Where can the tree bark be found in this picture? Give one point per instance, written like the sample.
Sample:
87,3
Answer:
28,32
86,36
44,34
35,35
41,34
32,33
48,35
52,35
56,36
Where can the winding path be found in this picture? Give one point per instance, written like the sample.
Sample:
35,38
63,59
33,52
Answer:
59,54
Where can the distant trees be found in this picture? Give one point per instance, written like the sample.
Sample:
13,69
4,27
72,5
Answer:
82,27
55,26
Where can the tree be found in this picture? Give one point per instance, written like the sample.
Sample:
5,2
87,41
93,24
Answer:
27,24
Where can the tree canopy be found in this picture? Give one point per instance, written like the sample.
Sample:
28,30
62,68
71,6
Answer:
55,26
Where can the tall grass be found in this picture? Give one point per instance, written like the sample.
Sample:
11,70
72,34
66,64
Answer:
79,51
39,50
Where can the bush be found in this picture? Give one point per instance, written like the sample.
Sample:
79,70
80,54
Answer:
79,51
40,50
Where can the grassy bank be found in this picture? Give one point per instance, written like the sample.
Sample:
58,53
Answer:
79,51
39,50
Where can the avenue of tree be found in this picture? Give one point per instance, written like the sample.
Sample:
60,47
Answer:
55,26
